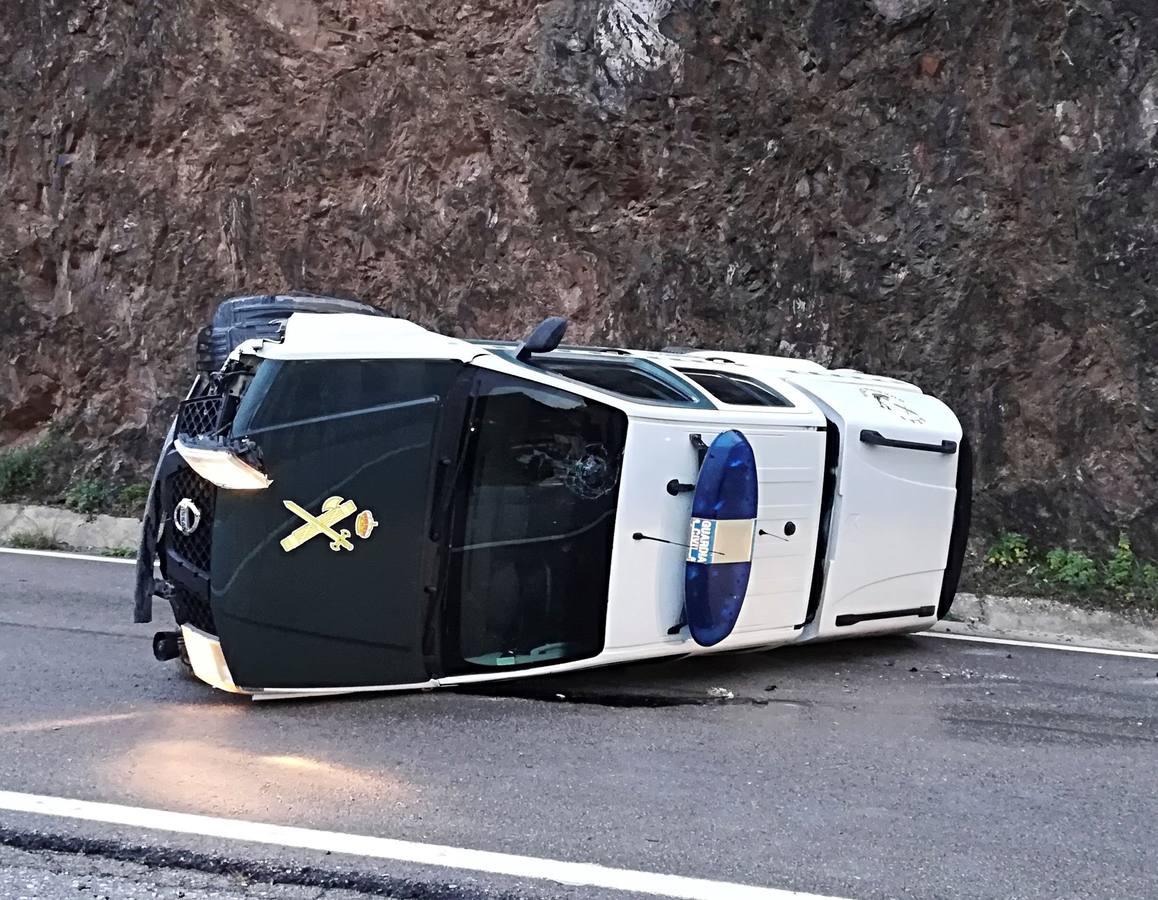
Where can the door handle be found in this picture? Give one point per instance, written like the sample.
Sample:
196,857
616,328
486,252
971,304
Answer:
877,439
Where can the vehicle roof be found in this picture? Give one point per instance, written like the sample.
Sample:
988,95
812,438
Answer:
354,336
725,361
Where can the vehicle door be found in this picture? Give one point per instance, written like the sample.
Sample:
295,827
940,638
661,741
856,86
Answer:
532,522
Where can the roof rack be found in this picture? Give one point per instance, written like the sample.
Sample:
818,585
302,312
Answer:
586,348
590,348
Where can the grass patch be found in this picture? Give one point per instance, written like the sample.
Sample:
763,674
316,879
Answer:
95,496
118,552
1009,551
88,495
56,472
130,499
35,539
38,472
24,469
1114,578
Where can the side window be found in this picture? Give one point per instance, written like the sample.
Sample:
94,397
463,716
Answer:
627,379
542,458
737,390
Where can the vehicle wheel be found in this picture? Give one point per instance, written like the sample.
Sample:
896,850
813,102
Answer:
962,513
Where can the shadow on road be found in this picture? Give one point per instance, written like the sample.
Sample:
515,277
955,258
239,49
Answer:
740,678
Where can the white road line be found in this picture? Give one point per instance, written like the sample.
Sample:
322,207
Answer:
1101,651
569,873
84,557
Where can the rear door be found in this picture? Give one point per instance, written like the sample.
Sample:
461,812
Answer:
893,511
319,580
790,466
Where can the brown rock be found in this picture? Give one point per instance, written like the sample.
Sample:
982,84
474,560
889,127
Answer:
477,168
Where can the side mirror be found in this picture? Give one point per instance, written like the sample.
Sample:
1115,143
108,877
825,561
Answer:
543,339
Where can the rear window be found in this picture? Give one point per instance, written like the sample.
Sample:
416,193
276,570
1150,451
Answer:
737,390
626,379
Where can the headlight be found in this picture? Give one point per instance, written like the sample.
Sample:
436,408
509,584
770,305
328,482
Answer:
222,467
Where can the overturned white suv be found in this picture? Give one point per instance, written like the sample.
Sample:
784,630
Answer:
350,502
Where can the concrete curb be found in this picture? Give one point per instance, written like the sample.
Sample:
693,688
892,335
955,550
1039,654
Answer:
1051,621
76,530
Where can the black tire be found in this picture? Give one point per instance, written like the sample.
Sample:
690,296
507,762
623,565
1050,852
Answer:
959,537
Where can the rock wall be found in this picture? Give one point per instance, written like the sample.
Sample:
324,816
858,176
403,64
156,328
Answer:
959,192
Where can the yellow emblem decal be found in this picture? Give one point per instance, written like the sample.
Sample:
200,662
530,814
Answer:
364,524
334,510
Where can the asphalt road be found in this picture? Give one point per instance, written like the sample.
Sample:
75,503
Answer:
905,767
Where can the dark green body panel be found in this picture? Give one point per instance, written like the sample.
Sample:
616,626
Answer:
313,616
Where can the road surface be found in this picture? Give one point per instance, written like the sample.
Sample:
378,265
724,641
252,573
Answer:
901,767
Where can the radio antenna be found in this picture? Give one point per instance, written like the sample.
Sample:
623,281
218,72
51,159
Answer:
640,536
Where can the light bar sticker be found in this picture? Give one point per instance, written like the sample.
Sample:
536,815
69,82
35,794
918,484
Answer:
702,540
720,540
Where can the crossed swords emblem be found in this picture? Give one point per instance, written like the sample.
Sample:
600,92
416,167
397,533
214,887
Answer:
334,510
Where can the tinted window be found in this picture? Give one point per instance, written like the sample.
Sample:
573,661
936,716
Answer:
530,555
738,390
288,391
618,378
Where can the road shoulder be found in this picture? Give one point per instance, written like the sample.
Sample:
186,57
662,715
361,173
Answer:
1050,621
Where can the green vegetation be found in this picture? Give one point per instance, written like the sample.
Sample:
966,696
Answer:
23,469
95,496
35,540
131,498
1071,567
118,552
1011,549
1116,578
56,472
87,495
1120,568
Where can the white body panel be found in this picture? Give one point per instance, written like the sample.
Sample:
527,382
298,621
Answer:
647,576
352,336
893,510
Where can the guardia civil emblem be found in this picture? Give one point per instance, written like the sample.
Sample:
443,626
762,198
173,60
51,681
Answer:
335,510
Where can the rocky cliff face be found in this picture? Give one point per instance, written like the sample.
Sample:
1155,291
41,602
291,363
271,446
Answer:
953,191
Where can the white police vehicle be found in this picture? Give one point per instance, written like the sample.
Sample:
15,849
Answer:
349,502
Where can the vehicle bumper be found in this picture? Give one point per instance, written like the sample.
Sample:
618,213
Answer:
208,663
207,660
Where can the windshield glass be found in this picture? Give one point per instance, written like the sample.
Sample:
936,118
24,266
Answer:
351,447
530,553
286,393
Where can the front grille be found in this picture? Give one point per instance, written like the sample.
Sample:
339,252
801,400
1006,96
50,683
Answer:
199,416
193,548
190,553
189,609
